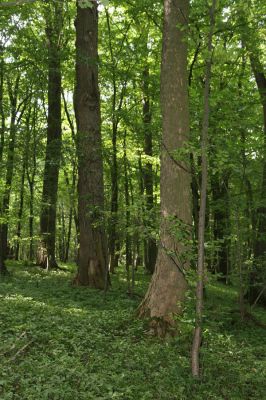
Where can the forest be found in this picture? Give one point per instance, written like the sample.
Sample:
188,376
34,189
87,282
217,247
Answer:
132,199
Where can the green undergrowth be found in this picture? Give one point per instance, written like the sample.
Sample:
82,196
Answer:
59,342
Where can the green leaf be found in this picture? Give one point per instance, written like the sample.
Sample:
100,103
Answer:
85,4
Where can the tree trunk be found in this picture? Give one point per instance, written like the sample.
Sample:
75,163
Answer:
150,248
4,209
127,204
168,285
46,251
21,204
195,365
257,280
221,210
92,260
2,114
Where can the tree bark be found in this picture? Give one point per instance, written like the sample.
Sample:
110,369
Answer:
168,285
46,251
92,260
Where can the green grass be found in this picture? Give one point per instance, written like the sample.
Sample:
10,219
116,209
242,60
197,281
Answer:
59,342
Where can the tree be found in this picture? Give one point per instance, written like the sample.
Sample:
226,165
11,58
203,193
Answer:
168,285
203,200
92,259
54,24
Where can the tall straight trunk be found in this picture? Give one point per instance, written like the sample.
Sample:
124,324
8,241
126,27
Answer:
258,284
68,239
4,208
31,220
117,102
71,190
31,173
195,198
92,260
3,269
2,114
195,365
168,285
150,248
127,204
21,204
46,251
221,213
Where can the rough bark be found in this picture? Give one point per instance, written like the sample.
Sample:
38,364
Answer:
92,260
168,285
46,251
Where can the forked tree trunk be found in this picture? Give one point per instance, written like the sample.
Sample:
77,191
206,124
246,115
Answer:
46,251
168,285
92,260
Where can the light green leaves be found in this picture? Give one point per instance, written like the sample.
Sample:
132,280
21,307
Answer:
85,4
89,3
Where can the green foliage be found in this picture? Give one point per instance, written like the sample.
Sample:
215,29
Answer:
62,342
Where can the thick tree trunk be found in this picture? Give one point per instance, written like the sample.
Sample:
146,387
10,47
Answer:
168,285
92,260
46,251
150,248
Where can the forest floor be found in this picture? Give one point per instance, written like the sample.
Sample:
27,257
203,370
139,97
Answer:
59,342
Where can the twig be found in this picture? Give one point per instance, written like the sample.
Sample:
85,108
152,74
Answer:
21,350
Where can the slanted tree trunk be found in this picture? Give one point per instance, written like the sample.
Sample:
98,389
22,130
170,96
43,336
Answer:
168,285
92,260
150,248
46,251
